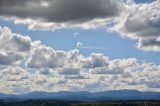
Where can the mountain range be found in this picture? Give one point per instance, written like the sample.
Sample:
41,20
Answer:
86,96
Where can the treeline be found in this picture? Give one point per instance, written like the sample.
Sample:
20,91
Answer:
68,103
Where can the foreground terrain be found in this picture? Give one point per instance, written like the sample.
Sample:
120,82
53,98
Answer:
68,103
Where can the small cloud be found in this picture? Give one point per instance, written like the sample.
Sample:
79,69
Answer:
80,45
75,34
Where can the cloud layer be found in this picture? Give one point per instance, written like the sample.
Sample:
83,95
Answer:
41,68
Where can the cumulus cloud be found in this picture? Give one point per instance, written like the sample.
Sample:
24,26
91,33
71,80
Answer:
46,57
52,14
49,58
54,59
95,60
14,47
141,22
13,74
50,70
10,58
12,42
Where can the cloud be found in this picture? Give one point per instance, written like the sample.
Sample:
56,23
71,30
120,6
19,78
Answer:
95,60
46,57
69,71
75,77
81,46
149,44
10,59
135,21
14,47
14,74
115,66
50,70
75,34
154,84
11,42
141,22
107,71
53,14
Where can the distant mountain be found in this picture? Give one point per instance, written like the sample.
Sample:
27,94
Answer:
86,96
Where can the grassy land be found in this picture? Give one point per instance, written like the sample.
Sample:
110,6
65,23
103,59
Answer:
67,103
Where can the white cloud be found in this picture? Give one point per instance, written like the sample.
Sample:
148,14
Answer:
75,34
11,42
81,46
14,74
95,60
46,57
50,70
14,47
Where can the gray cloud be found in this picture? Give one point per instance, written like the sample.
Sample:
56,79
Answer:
10,58
151,44
75,77
69,71
107,71
141,22
154,84
60,10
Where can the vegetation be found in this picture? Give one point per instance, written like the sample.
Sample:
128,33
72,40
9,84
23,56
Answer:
68,103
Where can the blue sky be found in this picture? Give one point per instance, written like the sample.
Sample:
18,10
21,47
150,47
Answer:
68,45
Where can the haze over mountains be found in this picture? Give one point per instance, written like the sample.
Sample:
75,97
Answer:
86,96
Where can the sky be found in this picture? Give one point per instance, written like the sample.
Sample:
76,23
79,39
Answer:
71,45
